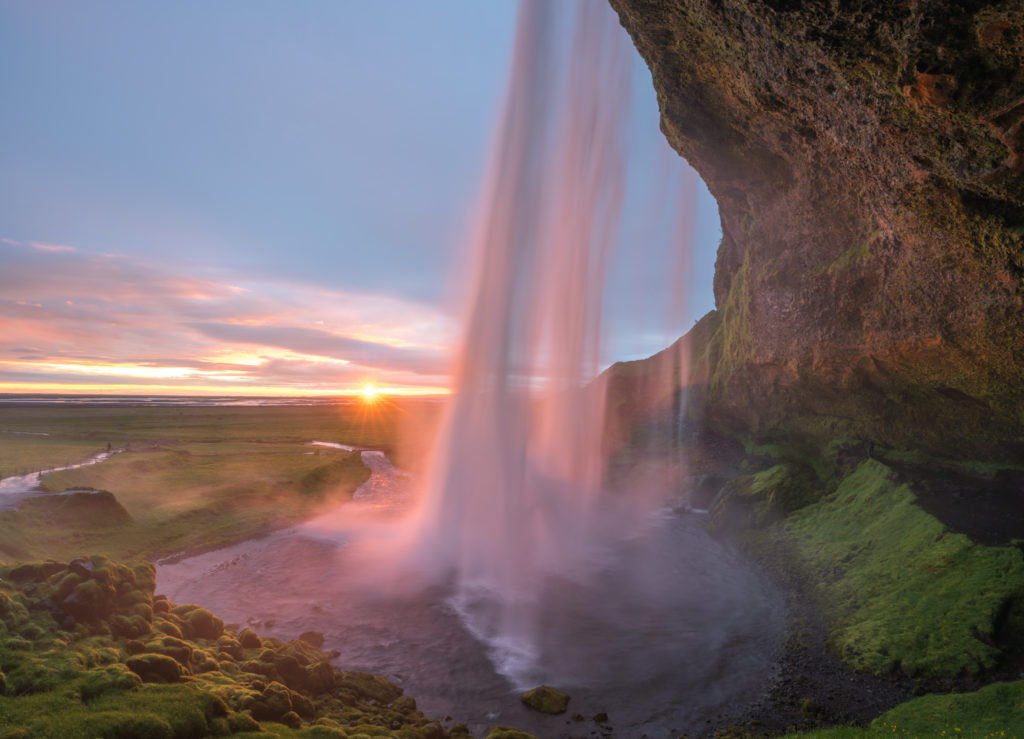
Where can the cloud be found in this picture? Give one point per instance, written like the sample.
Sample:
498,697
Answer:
51,247
71,314
315,342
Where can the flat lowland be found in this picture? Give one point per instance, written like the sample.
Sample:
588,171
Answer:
190,477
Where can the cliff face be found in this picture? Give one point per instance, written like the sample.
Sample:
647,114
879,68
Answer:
868,162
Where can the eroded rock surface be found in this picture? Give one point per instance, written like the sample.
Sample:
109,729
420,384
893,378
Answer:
867,162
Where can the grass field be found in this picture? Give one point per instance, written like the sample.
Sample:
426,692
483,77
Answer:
74,432
192,477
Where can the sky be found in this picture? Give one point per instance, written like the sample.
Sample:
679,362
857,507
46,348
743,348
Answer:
248,197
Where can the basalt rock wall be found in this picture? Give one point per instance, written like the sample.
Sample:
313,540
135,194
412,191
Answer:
867,162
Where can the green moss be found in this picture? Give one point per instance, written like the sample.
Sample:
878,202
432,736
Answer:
90,681
755,500
102,680
995,710
508,732
901,591
730,345
546,699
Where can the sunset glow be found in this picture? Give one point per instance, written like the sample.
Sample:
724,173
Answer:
77,322
320,248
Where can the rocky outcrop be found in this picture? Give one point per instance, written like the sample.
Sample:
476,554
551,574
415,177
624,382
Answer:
867,162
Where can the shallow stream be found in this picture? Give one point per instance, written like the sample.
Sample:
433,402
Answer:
16,488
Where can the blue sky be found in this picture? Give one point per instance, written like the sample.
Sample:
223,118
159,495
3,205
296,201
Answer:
265,195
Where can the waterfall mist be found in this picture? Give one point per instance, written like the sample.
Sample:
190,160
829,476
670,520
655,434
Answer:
514,500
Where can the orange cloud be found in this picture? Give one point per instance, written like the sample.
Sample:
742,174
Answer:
76,319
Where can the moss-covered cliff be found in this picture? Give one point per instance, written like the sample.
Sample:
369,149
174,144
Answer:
867,162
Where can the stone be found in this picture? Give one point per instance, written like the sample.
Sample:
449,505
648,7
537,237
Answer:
546,699
313,638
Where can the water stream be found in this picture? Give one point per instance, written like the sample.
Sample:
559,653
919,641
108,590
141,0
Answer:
16,488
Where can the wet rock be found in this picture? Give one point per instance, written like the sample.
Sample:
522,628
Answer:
601,717
314,638
546,699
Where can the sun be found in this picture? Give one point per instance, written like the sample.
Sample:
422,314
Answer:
369,393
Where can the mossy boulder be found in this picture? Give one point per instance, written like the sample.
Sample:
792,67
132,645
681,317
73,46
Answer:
546,699
125,725
320,678
198,623
115,677
155,668
365,685
249,639
102,680
241,722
